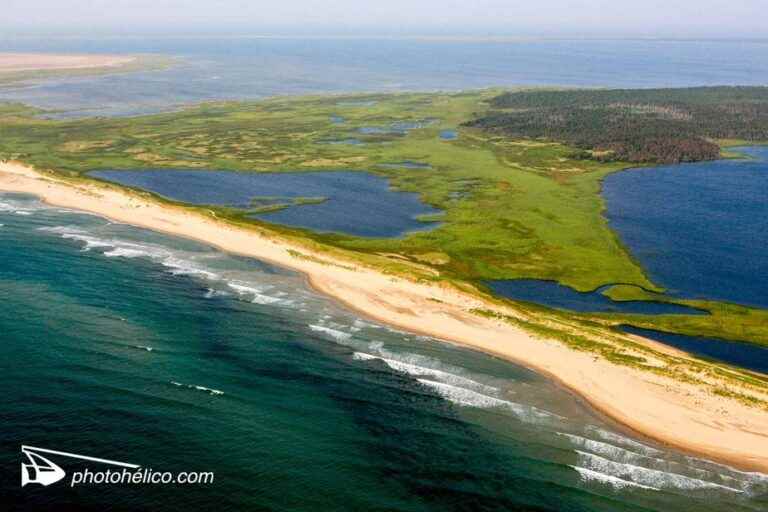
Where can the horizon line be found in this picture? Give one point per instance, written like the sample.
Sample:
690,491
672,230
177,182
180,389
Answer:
422,37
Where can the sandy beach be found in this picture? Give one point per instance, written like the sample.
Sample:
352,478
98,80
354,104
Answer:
16,62
686,416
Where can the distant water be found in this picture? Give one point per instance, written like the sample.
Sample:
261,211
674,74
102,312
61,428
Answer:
214,69
555,295
699,229
357,203
135,346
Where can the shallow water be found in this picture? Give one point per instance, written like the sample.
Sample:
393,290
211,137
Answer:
136,346
357,203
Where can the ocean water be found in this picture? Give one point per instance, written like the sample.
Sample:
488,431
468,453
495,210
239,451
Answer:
135,346
243,68
357,203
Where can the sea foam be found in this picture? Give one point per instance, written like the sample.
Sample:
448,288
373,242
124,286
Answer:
645,476
333,333
440,375
210,391
589,475
469,398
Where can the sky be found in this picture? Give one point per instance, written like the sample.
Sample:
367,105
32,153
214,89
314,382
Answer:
511,18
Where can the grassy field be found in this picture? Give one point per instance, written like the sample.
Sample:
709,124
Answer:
513,208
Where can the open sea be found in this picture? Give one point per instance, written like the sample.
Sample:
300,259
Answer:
133,346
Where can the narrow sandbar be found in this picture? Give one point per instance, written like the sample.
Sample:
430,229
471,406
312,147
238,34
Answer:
22,62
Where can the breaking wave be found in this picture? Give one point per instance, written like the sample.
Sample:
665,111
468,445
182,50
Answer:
469,398
176,262
210,391
18,207
645,476
613,437
588,475
333,333
416,371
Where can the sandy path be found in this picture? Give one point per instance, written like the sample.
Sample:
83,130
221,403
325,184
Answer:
678,414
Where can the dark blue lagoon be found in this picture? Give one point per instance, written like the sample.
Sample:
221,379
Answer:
746,355
699,229
555,295
356,203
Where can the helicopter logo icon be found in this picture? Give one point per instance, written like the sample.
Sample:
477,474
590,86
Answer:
40,470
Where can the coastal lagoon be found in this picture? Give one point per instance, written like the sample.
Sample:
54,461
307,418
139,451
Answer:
558,296
354,203
698,229
746,355
272,386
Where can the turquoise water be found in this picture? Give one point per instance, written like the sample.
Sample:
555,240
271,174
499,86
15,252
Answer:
135,346
357,203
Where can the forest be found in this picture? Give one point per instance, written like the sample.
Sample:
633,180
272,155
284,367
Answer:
638,125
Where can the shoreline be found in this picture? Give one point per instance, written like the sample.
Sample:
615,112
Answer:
673,413
12,62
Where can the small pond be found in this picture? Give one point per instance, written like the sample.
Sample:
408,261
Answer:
449,135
